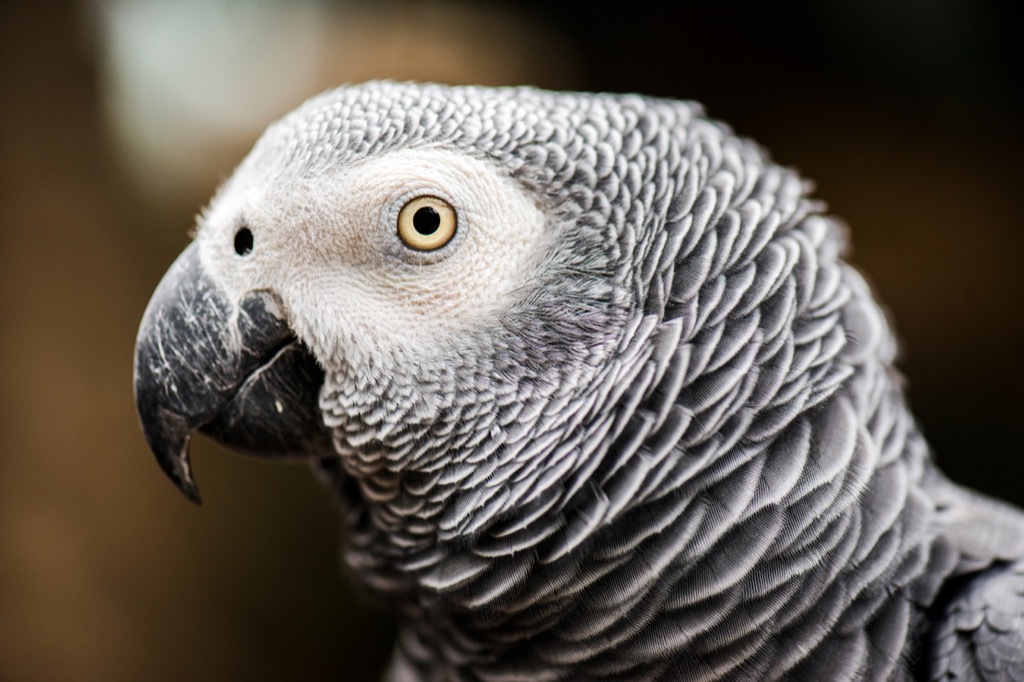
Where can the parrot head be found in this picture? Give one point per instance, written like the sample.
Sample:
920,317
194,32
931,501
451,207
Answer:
426,282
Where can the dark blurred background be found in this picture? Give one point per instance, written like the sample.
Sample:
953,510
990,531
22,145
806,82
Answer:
119,118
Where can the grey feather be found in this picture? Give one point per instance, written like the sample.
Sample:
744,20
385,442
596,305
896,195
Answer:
682,453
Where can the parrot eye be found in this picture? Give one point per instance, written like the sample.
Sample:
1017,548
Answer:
243,241
426,223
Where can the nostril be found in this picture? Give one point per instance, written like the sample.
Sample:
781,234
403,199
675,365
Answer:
243,241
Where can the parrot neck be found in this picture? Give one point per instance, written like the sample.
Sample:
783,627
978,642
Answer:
707,582
820,529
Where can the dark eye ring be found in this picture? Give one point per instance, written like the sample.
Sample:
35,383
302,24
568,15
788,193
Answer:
243,241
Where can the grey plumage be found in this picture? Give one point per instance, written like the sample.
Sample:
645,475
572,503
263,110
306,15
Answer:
676,448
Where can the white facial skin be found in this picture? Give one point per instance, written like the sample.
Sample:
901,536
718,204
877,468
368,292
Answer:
352,289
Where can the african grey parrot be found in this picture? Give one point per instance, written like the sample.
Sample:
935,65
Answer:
598,393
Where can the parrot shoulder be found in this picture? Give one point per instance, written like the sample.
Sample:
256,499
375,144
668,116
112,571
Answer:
980,635
978,627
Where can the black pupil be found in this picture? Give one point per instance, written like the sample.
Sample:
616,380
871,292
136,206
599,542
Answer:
243,241
426,220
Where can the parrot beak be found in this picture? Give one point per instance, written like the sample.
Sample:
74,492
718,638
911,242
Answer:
232,369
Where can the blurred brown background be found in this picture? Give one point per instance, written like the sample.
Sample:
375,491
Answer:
118,119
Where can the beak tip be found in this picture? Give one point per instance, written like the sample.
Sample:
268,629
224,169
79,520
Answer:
176,464
184,482
189,488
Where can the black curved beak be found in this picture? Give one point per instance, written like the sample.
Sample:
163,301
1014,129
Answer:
232,369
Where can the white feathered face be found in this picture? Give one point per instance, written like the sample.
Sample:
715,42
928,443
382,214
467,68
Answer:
404,254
